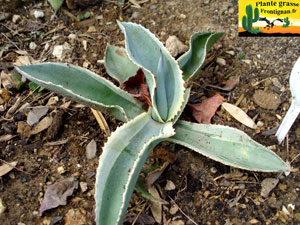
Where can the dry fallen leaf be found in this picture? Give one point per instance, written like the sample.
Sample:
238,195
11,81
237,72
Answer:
56,194
239,115
42,125
7,167
6,137
231,83
155,207
155,174
204,111
165,154
137,87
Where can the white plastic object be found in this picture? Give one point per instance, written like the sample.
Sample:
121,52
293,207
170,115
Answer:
294,109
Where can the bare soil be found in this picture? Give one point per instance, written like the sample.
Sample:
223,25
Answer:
206,191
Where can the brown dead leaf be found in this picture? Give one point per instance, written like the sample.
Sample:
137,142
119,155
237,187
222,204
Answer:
155,207
6,137
204,111
155,174
137,87
231,83
7,167
56,194
42,125
239,115
165,154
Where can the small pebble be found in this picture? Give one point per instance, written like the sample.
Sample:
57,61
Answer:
260,124
20,116
173,209
38,14
135,15
56,219
61,170
35,213
16,18
24,178
9,148
230,53
2,206
213,170
170,186
153,6
32,46
83,186
247,61
221,62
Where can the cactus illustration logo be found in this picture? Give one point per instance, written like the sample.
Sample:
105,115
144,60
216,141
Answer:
269,18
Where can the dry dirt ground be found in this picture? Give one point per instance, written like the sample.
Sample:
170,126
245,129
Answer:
206,192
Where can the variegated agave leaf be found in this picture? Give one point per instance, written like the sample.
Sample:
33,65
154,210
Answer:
227,145
150,54
118,65
122,159
190,63
83,86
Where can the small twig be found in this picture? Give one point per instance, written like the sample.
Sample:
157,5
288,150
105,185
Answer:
183,212
11,30
11,41
240,99
101,121
72,17
135,3
287,145
140,212
295,158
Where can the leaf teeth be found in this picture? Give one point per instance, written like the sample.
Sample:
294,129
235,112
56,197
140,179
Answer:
238,149
167,132
141,126
178,76
105,152
78,97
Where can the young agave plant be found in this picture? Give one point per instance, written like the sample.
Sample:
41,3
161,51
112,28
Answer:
128,147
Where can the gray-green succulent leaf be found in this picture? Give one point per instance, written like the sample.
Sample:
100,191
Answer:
227,145
121,162
151,55
83,86
118,65
190,62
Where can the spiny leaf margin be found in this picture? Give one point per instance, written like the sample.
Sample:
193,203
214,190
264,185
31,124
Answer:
242,152
118,65
114,160
191,61
137,53
42,74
